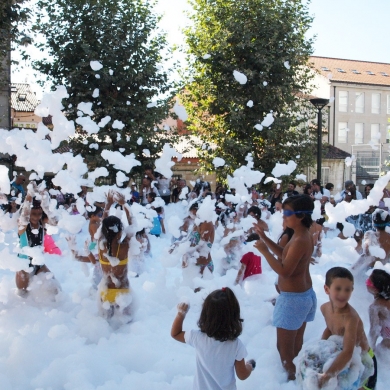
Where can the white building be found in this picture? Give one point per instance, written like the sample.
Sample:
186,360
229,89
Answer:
359,116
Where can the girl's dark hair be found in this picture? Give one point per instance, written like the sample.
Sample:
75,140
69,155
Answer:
206,186
110,228
377,220
140,233
220,316
94,212
255,210
152,195
197,187
36,204
194,206
289,232
381,281
253,237
306,189
329,186
301,203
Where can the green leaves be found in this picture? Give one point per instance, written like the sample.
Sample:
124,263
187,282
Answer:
123,37
254,37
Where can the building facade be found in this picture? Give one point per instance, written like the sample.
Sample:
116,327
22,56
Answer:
358,117
23,104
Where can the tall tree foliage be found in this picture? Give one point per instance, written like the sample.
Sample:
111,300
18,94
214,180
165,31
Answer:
122,35
13,17
256,38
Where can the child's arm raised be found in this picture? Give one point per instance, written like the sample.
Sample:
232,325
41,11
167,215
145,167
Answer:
345,355
275,248
177,326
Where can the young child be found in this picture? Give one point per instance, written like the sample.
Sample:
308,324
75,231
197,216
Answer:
343,320
378,284
158,221
250,263
297,301
219,351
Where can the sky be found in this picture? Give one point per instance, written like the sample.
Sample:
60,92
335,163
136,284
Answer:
350,29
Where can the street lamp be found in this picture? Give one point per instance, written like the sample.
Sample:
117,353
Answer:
319,104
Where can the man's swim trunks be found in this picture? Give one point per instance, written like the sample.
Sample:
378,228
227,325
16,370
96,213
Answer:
293,309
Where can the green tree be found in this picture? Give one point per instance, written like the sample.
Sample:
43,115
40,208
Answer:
264,40
13,17
123,37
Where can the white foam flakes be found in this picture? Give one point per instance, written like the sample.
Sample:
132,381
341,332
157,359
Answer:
240,77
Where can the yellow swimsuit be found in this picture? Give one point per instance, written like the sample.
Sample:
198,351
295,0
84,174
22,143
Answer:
111,294
121,262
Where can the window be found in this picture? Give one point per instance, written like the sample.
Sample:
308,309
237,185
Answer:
388,104
355,71
370,73
325,175
375,134
343,101
341,70
384,74
359,102
359,131
376,103
325,69
342,136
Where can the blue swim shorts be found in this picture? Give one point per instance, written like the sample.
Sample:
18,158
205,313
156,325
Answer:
293,309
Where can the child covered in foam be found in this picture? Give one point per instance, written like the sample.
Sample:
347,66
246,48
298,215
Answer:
342,359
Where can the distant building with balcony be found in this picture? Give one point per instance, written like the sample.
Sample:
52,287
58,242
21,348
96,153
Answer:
359,116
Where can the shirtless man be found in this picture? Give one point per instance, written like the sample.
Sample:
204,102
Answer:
343,320
297,301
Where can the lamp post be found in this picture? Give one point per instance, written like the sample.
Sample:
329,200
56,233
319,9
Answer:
319,104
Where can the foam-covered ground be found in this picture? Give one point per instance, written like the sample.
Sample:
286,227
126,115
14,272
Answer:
64,344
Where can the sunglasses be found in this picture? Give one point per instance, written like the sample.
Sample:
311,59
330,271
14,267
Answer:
100,214
289,213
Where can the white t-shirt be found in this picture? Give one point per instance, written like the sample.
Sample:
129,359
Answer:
319,196
215,361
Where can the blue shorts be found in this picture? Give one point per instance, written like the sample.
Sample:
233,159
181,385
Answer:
293,309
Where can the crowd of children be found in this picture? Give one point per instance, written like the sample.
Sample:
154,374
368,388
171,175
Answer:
118,242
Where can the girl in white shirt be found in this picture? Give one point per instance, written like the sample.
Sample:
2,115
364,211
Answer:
219,351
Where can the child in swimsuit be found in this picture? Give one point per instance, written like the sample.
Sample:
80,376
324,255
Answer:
343,320
31,234
297,301
378,284
113,249
219,351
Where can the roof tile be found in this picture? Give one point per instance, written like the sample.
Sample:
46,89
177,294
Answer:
352,71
